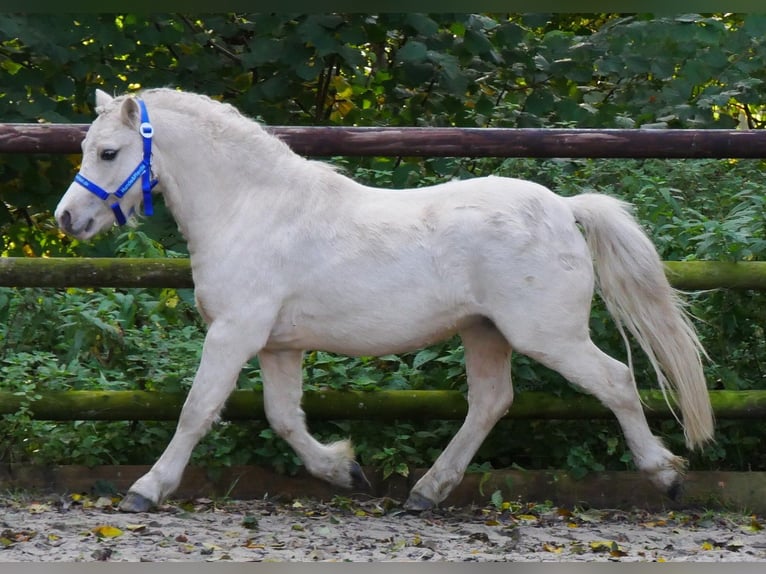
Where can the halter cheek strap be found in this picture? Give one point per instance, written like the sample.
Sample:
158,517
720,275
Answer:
143,170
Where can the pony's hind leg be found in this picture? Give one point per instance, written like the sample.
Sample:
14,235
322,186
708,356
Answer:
609,380
490,394
282,390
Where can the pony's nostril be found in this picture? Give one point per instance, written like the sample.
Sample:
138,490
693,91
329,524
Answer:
65,220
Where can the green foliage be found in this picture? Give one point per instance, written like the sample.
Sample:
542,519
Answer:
533,70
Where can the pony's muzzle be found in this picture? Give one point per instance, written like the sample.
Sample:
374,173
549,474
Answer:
64,220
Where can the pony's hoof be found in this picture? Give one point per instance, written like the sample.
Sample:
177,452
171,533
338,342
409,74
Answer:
675,491
134,502
418,503
358,479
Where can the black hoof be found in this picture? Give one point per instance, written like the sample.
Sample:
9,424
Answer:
418,503
358,479
675,491
135,503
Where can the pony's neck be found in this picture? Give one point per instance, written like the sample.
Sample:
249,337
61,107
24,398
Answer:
219,170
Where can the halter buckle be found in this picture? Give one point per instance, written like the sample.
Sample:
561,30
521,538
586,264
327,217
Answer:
146,129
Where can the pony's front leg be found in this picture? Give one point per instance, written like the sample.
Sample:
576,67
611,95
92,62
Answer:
282,391
224,353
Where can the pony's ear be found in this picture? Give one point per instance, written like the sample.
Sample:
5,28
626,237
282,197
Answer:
130,114
102,99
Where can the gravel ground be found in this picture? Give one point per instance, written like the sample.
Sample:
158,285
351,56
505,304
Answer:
80,528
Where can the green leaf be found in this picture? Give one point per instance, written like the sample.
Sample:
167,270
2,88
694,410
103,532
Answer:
497,499
422,23
755,26
423,357
412,51
476,42
262,51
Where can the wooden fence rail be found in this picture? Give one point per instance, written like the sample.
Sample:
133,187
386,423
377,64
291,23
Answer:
138,272
450,142
358,405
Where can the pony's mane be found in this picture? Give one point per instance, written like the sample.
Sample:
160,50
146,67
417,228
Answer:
191,103
225,122
219,116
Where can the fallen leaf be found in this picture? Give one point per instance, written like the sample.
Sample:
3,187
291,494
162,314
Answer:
735,545
39,508
589,515
611,548
556,549
103,502
135,527
577,548
9,537
707,545
107,531
250,522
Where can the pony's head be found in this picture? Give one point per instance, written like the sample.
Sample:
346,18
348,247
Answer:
115,175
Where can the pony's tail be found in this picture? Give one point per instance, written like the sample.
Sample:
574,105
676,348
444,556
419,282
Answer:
637,294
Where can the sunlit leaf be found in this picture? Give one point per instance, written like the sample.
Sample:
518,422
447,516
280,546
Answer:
39,508
609,547
107,531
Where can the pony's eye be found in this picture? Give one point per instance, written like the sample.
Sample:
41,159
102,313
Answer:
108,154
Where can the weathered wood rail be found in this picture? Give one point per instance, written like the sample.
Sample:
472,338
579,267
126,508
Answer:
137,272
417,405
451,142
383,141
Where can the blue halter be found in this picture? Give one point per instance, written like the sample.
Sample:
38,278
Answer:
143,170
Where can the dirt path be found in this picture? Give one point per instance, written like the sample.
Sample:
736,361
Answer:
78,528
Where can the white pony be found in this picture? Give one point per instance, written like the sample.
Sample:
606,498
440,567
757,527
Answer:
288,255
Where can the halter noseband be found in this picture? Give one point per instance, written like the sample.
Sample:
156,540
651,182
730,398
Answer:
143,170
